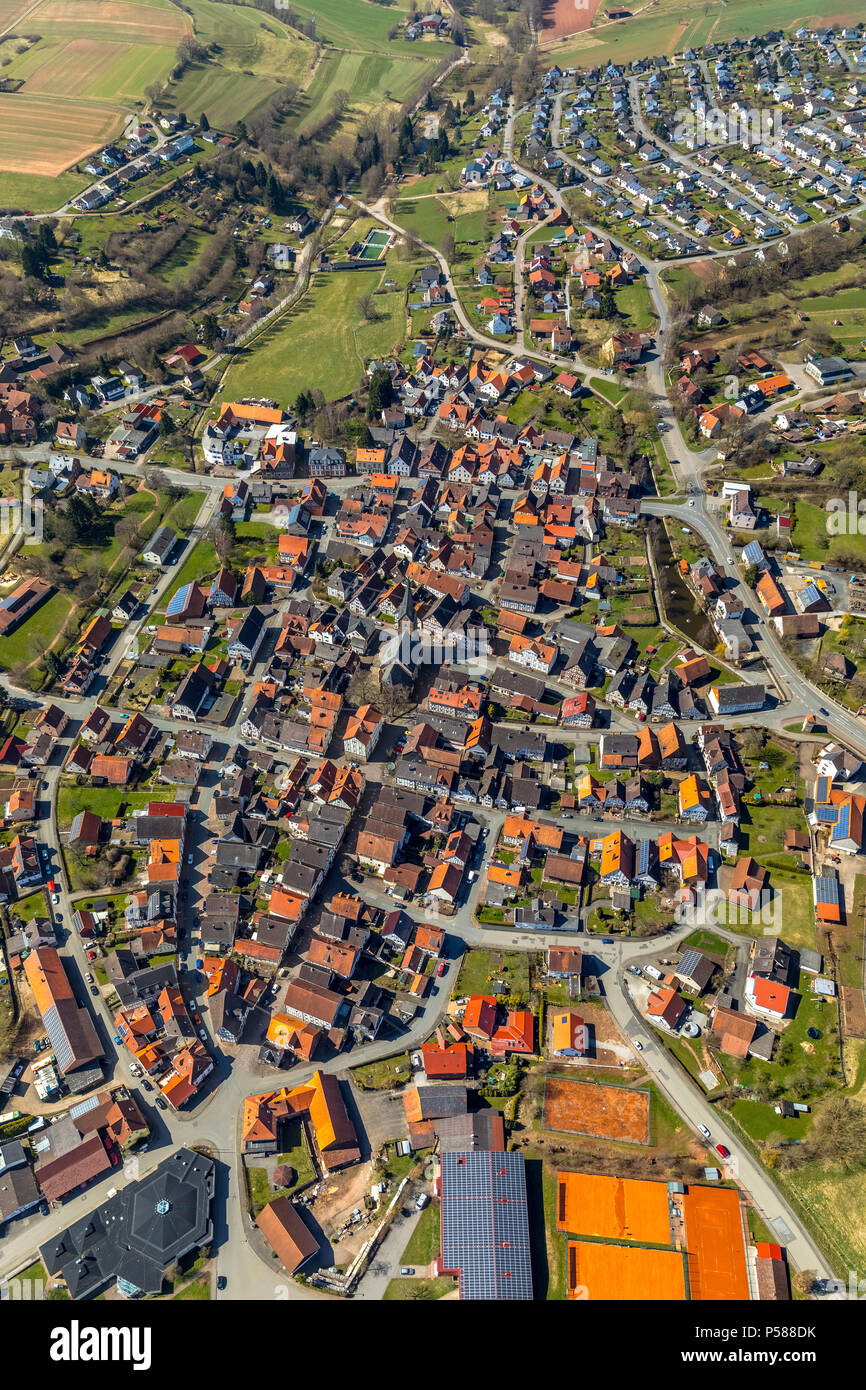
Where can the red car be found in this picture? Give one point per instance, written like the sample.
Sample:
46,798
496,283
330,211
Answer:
443,966
720,1148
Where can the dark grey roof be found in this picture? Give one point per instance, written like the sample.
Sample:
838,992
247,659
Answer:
137,1233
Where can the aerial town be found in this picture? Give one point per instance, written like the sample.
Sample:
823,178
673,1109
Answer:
432,652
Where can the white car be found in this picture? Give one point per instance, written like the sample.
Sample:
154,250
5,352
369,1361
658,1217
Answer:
638,1044
704,1131
202,1034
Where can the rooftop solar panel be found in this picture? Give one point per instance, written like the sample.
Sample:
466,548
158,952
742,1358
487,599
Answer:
689,961
63,1053
178,603
827,890
485,1228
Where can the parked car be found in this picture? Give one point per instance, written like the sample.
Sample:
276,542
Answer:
202,1034
725,1152
638,1044
161,1103
704,1131
94,991
443,966
89,978
146,1084
222,1282
407,1269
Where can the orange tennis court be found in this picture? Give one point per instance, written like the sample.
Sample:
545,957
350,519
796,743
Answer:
625,1273
716,1244
596,1109
613,1208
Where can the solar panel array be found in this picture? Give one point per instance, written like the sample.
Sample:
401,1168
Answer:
178,603
485,1227
91,1103
689,961
827,890
63,1053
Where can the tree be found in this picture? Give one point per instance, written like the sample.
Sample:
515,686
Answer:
607,303
203,121
32,261
275,193
448,247
224,538
304,405
209,332
366,307
838,1133
381,393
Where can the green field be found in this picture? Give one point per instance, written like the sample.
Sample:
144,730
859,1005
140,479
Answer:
357,24
611,390
256,54
201,563
103,801
368,79
226,96
110,57
429,217
38,192
322,341
33,637
674,25
510,966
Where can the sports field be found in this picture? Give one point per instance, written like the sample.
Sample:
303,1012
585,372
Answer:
564,17
624,1273
590,1107
613,1208
716,1244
